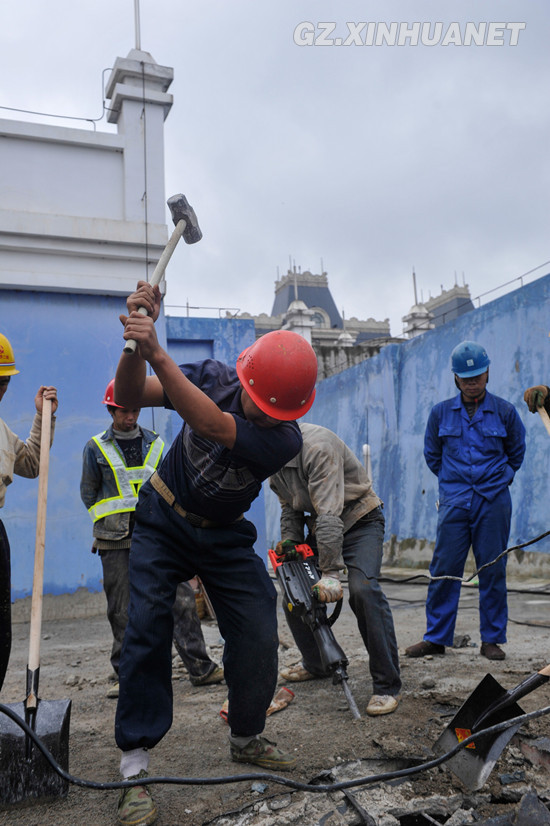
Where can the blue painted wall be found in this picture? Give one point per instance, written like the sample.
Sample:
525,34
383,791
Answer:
74,342
385,401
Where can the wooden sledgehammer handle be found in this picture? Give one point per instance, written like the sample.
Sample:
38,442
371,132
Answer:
159,270
545,418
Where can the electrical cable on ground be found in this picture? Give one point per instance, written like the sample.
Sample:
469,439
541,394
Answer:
465,580
271,778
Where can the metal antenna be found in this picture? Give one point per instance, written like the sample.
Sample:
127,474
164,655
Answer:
138,30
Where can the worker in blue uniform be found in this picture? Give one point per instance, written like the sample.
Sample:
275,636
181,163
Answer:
475,444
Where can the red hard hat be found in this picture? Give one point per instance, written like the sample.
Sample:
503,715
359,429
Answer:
279,372
109,397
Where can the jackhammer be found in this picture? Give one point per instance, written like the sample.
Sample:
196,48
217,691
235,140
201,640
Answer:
297,573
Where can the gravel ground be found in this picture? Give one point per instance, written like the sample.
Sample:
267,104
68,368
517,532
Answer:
317,725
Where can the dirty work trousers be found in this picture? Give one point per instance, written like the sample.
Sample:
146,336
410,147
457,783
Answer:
188,636
362,552
166,550
5,603
485,526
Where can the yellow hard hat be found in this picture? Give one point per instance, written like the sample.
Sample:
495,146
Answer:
7,359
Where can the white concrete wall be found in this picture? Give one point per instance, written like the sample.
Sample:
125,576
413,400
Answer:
82,210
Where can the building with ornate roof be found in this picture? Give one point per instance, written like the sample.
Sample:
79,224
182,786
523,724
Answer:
435,312
303,302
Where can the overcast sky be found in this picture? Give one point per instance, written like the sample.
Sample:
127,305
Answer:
368,160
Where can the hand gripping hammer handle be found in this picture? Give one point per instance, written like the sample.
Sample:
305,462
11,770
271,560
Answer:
156,278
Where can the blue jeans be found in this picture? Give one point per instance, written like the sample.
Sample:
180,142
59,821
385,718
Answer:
485,526
362,552
166,550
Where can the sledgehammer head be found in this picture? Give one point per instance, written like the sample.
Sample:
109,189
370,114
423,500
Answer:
181,208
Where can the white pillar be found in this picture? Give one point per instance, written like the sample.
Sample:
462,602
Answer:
139,106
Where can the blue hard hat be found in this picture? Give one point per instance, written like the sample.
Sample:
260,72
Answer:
469,359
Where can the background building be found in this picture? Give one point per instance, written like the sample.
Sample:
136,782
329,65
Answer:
303,302
435,312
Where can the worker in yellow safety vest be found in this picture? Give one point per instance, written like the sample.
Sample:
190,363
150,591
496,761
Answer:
115,464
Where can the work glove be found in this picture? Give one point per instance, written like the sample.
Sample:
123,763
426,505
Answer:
535,397
286,550
329,587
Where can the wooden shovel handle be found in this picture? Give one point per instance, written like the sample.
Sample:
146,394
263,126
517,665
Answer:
545,418
38,578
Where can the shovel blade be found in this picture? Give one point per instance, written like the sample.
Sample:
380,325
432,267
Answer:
474,763
31,779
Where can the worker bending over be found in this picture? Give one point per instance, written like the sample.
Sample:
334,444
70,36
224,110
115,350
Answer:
346,526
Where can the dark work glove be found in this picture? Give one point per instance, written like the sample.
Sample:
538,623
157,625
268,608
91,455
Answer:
286,550
535,397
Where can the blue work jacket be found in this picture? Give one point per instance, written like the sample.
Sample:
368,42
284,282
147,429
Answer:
479,455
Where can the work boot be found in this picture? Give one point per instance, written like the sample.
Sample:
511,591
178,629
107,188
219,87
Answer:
382,704
136,806
112,692
262,752
213,677
492,651
421,649
296,673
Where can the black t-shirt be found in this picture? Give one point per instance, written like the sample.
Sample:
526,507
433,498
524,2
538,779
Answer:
209,479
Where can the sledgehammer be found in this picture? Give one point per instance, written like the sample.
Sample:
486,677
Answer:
187,225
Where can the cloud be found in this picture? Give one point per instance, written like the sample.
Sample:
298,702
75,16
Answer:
373,159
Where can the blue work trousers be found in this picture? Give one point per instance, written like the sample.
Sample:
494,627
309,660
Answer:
362,552
188,636
166,550
485,527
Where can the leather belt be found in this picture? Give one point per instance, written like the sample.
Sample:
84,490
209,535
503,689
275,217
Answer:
194,519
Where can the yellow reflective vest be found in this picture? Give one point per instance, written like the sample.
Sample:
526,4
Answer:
127,479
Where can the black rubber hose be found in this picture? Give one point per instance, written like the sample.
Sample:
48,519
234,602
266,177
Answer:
271,778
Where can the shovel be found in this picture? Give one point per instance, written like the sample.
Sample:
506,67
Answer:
545,418
488,705
25,775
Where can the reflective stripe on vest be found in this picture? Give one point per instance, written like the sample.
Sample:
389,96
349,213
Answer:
128,479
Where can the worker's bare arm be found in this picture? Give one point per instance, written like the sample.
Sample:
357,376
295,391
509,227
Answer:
134,389
192,404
